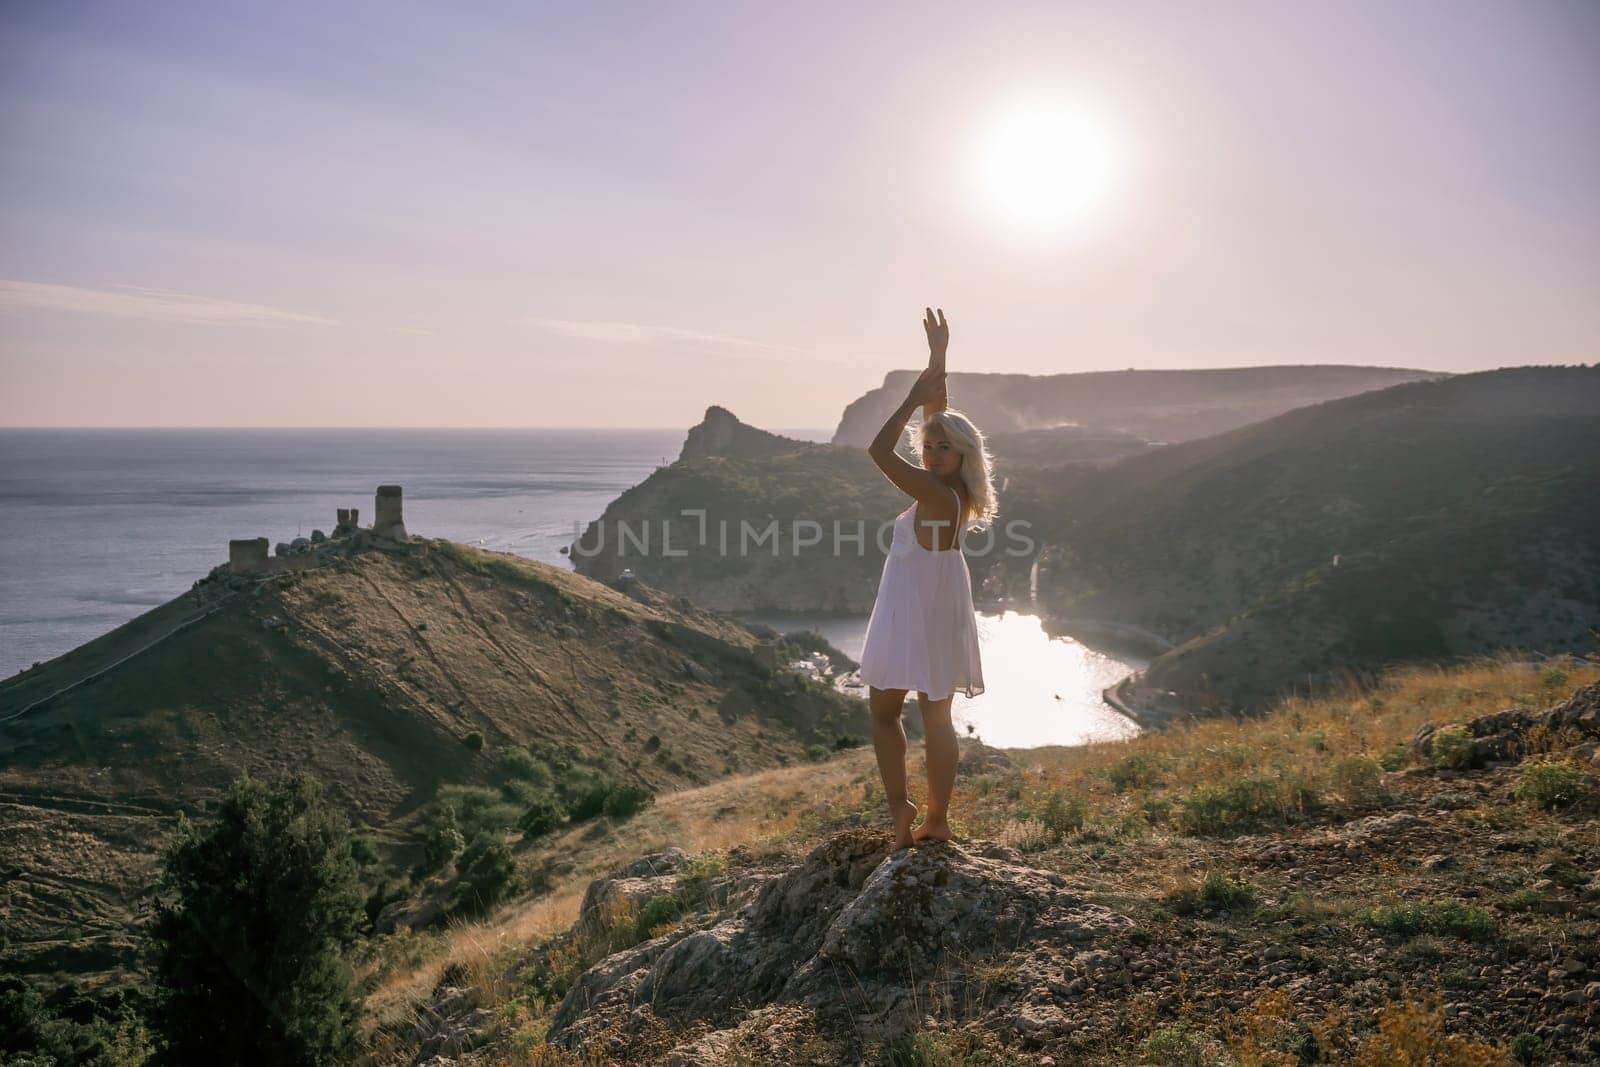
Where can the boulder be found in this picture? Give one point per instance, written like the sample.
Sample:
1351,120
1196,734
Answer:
636,883
1500,736
851,915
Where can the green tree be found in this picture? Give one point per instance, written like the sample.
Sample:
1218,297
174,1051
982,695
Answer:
252,921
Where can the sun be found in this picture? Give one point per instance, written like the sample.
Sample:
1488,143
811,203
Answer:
1046,167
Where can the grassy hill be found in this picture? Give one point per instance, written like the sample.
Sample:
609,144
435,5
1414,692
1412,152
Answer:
745,479
1432,519
1313,886
1153,405
392,676
752,502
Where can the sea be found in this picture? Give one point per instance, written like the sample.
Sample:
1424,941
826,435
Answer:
99,525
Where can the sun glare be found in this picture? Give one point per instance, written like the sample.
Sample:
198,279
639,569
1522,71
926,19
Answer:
1046,167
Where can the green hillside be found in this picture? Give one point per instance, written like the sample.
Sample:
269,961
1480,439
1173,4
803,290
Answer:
1432,519
389,675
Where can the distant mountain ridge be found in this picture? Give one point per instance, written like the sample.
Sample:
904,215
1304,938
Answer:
1431,519
1157,405
1428,520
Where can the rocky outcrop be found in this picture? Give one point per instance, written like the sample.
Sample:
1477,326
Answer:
721,433
1503,736
852,916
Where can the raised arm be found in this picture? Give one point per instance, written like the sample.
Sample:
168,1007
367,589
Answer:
938,342
912,480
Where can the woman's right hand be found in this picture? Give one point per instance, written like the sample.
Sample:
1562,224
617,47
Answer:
938,332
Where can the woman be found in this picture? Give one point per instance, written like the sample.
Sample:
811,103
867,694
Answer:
923,634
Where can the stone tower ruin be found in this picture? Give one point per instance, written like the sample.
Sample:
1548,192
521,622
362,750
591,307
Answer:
247,555
387,520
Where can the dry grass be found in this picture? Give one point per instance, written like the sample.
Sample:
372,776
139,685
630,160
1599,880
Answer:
763,811
1123,785
1303,742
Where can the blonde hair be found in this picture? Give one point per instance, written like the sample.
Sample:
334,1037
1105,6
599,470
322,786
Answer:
977,465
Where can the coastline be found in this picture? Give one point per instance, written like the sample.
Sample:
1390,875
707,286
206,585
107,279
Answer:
1120,697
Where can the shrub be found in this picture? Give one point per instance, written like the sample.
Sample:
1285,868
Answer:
1431,917
584,795
657,911
543,815
1357,779
1550,784
39,1033
1451,747
473,741
364,849
1239,805
252,921
486,873
518,764
1231,894
625,800
1395,758
817,753
441,842
1174,1046
1062,813
478,809
1528,1049
920,1048
602,795
1135,770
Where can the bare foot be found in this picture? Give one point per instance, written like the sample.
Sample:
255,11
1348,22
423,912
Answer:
902,824
932,829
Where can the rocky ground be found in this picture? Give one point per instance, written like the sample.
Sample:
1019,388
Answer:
1452,918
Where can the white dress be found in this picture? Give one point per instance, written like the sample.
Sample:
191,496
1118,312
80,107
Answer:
923,634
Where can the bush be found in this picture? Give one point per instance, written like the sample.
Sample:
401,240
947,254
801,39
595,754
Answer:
37,1033
1451,747
252,921
473,741
486,874
1431,917
520,765
658,910
627,800
543,815
1136,770
1240,805
1231,894
1550,784
441,842
479,810
1357,779
1174,1046
1061,813
1395,758
364,849
602,795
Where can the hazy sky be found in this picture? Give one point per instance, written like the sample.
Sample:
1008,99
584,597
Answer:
602,214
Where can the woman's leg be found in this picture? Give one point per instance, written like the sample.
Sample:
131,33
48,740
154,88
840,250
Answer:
889,740
939,741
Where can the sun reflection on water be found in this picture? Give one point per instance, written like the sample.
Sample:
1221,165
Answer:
1039,690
